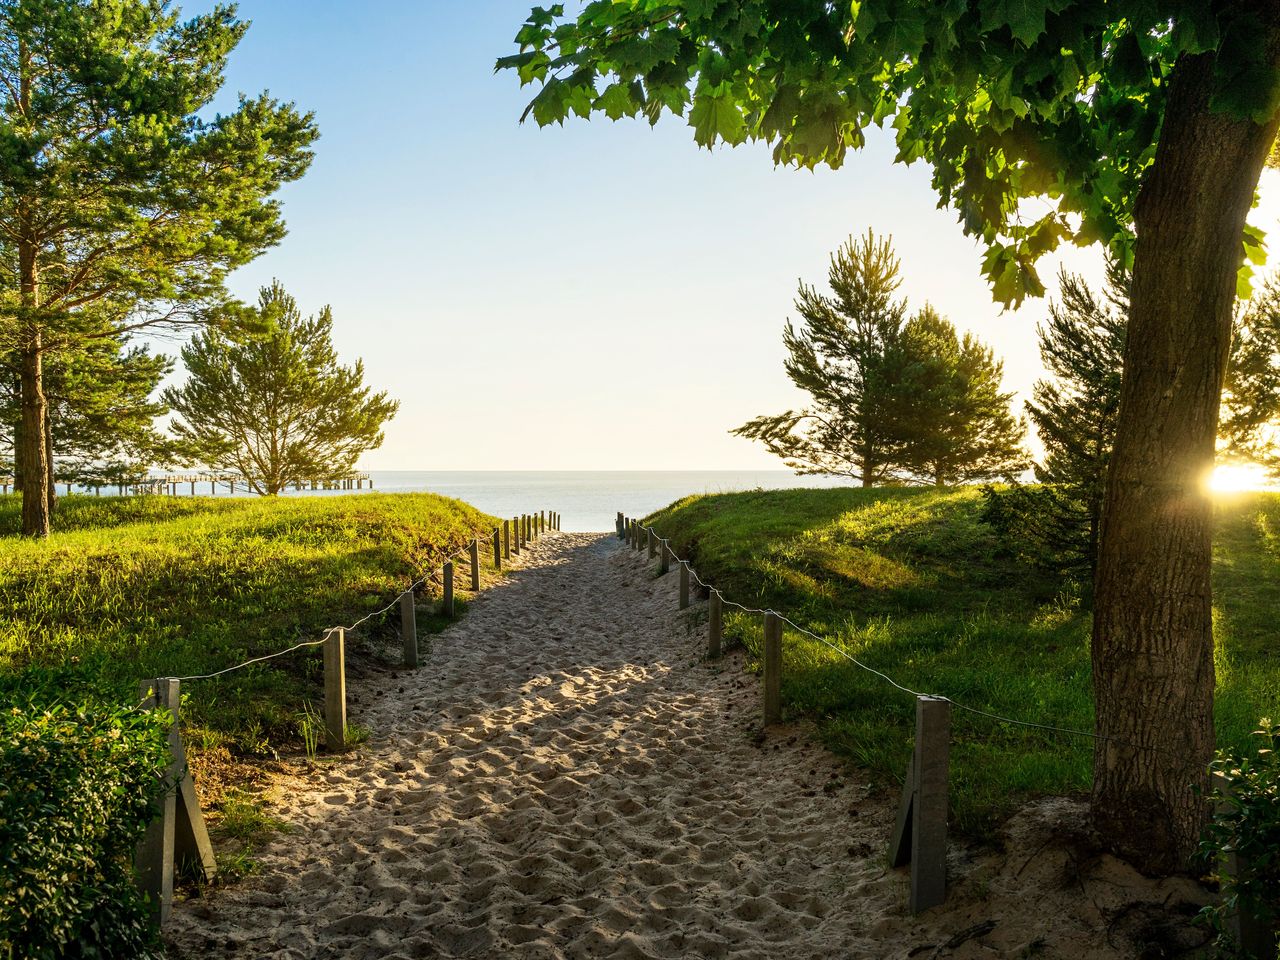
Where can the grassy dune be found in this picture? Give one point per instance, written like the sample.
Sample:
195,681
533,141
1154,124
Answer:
129,588
915,585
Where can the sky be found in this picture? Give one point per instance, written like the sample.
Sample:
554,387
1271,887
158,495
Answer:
594,296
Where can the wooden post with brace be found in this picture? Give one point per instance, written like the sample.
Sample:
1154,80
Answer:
177,840
920,833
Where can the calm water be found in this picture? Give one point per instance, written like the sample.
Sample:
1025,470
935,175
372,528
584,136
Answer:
587,500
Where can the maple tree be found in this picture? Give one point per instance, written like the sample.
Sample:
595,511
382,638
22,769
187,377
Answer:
1142,126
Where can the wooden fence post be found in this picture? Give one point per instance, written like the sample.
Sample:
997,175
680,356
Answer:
497,549
772,669
335,690
920,833
617,523
409,628
155,855
684,584
506,539
447,574
715,624
1253,936
664,557
475,565
515,535
542,521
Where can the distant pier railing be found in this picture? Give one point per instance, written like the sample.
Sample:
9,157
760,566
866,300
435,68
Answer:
192,484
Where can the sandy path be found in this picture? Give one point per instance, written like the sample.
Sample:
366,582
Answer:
564,777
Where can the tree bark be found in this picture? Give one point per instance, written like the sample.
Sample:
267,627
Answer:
33,449
1152,633
32,453
51,491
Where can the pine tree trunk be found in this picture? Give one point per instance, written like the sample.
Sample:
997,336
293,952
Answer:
1152,633
51,491
33,450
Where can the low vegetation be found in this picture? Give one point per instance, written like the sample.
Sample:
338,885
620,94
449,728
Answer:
915,584
131,588
77,789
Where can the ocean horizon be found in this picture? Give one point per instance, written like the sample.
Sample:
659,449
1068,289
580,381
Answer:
587,500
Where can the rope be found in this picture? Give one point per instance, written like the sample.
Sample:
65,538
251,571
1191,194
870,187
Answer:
269,656
1070,731
465,553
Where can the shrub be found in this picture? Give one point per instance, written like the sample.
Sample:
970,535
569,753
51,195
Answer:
78,786
1043,525
1247,823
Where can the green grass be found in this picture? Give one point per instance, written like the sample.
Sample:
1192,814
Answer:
130,588
914,584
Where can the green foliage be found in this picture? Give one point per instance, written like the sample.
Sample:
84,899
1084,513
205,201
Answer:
1007,100
275,405
100,410
130,588
1251,404
955,420
914,582
893,400
77,789
1246,824
1040,526
1076,411
843,357
127,203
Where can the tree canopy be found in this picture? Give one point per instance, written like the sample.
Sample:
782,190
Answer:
843,356
123,204
1047,99
275,405
892,399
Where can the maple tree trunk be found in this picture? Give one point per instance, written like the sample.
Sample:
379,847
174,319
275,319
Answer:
1152,633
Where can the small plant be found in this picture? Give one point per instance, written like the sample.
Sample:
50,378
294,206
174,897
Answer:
242,818
1246,828
357,733
310,727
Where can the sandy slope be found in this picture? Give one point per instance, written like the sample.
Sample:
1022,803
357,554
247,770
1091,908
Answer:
566,778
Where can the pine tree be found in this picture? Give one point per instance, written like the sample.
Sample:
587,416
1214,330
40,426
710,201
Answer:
124,203
842,355
1076,412
275,405
957,422
1249,427
100,409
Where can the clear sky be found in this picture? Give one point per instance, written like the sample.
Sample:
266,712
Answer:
597,296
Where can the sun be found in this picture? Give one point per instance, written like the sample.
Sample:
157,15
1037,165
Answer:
1240,477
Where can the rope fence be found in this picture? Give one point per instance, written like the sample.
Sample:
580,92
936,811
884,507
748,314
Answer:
919,836
178,839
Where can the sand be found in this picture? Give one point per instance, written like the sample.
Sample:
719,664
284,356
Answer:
565,776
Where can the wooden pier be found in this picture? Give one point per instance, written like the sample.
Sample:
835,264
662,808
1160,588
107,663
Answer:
193,484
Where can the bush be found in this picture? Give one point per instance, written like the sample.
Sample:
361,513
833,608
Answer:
1247,823
1043,525
77,789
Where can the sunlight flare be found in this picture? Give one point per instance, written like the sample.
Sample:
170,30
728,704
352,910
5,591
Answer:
1241,478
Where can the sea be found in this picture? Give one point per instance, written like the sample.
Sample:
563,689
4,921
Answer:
585,500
